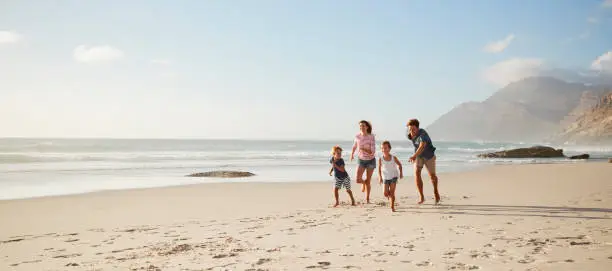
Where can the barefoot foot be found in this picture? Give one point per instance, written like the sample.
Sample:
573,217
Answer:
337,204
421,201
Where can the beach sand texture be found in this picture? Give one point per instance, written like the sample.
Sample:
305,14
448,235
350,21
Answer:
525,217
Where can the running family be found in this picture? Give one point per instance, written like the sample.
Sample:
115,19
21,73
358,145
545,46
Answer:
389,166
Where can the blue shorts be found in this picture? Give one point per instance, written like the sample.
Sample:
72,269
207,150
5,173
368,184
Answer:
392,180
371,164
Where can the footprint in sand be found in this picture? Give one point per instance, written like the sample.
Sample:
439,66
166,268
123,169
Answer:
262,261
450,254
67,255
424,263
462,266
12,240
526,260
319,265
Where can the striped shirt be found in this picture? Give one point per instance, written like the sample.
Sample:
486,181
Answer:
367,141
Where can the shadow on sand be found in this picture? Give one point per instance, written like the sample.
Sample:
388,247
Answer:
512,210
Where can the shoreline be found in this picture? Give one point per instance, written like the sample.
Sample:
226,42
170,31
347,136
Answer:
190,181
542,216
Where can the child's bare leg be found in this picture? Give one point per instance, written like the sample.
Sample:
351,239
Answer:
351,195
336,196
392,196
386,191
419,184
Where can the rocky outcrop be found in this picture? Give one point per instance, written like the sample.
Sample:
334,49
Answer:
581,156
592,125
222,174
532,152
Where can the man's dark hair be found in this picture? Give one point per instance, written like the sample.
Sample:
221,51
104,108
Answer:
413,122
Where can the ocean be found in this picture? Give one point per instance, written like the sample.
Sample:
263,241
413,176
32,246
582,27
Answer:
46,167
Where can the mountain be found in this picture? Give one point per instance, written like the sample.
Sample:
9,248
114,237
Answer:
528,110
592,124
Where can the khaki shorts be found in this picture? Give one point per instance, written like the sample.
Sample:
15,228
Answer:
429,164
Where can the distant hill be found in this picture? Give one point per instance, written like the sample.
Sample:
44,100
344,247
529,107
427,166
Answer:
593,124
531,109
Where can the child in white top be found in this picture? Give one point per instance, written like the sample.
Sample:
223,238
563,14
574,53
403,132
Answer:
389,170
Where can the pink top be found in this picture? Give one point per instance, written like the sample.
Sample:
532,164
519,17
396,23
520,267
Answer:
365,141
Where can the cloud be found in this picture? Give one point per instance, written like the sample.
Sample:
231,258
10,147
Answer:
607,3
161,61
93,54
500,45
9,37
592,20
508,71
603,63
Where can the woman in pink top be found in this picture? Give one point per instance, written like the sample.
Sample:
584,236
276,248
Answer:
366,143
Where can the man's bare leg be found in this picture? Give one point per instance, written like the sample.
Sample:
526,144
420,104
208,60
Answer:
431,169
434,182
392,196
419,184
368,182
351,195
336,196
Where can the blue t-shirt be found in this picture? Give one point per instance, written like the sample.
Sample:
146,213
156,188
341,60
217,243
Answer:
337,173
422,136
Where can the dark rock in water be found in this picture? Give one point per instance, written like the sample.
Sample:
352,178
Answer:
222,174
531,152
581,156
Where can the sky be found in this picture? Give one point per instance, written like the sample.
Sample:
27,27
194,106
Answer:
275,69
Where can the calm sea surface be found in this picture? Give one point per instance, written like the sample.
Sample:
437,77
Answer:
43,167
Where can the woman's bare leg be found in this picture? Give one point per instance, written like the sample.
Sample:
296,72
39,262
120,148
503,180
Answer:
360,171
369,173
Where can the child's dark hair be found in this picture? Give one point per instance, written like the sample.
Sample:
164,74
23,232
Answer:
387,143
367,123
336,148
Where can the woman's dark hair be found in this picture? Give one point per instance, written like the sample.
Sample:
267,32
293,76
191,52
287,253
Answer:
366,123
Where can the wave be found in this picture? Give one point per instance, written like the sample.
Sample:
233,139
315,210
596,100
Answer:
10,158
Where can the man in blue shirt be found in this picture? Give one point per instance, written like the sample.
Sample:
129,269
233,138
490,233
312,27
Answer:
424,155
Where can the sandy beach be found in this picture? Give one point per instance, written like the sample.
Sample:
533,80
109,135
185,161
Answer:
516,217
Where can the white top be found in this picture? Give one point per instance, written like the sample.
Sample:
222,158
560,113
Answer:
389,168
